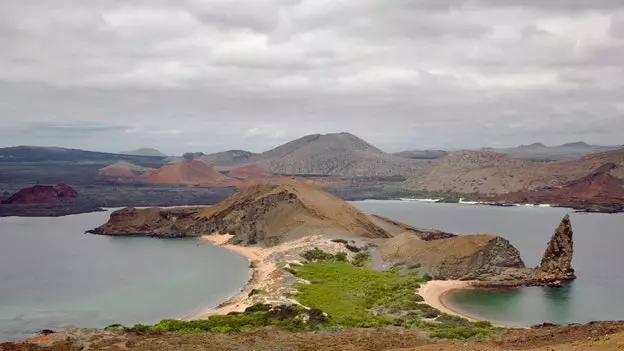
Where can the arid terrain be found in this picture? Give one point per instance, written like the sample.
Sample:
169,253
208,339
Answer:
487,172
599,336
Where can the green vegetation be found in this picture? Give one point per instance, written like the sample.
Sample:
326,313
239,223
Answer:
256,292
360,259
340,294
317,254
294,318
356,296
349,293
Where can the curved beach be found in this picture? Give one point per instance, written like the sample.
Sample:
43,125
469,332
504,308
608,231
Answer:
261,268
433,292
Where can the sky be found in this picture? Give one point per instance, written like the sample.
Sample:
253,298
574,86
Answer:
212,75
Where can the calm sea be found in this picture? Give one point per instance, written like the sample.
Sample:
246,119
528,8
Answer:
598,259
53,276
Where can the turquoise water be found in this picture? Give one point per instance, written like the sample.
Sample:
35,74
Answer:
53,276
598,259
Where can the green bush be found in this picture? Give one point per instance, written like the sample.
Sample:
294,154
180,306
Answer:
360,259
460,333
317,254
352,248
483,324
340,257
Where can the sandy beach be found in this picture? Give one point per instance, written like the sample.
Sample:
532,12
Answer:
259,262
433,292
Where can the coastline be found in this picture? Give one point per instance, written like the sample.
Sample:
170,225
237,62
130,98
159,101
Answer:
259,264
434,292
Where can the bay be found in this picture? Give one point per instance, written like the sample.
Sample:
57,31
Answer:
53,276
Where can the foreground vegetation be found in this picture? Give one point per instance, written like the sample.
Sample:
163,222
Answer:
338,294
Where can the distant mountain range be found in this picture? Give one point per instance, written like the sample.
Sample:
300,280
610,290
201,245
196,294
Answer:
57,154
488,172
145,151
336,154
344,155
533,152
541,152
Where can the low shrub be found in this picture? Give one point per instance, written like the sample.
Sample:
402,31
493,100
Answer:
360,259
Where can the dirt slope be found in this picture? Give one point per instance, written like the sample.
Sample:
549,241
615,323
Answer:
598,336
487,172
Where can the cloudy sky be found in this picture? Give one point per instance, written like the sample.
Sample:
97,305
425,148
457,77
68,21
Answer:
209,75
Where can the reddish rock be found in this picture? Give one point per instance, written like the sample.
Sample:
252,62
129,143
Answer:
187,172
597,188
42,194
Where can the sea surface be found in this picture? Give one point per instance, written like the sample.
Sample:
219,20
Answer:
598,292
53,276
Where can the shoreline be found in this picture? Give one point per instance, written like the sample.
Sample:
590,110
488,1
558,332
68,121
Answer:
260,270
434,292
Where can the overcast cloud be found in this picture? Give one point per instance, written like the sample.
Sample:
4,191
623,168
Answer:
210,75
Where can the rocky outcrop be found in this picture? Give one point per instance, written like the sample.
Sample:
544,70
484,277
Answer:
42,194
557,259
262,213
486,258
466,257
168,223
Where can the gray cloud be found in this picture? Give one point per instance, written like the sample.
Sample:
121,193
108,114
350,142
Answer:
208,75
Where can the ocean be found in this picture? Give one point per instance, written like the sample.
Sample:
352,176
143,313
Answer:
53,276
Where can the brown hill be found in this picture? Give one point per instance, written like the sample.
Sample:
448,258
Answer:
122,170
488,172
42,194
340,154
188,172
262,213
597,188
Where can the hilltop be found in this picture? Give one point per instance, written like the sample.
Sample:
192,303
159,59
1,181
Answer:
487,172
339,154
187,172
